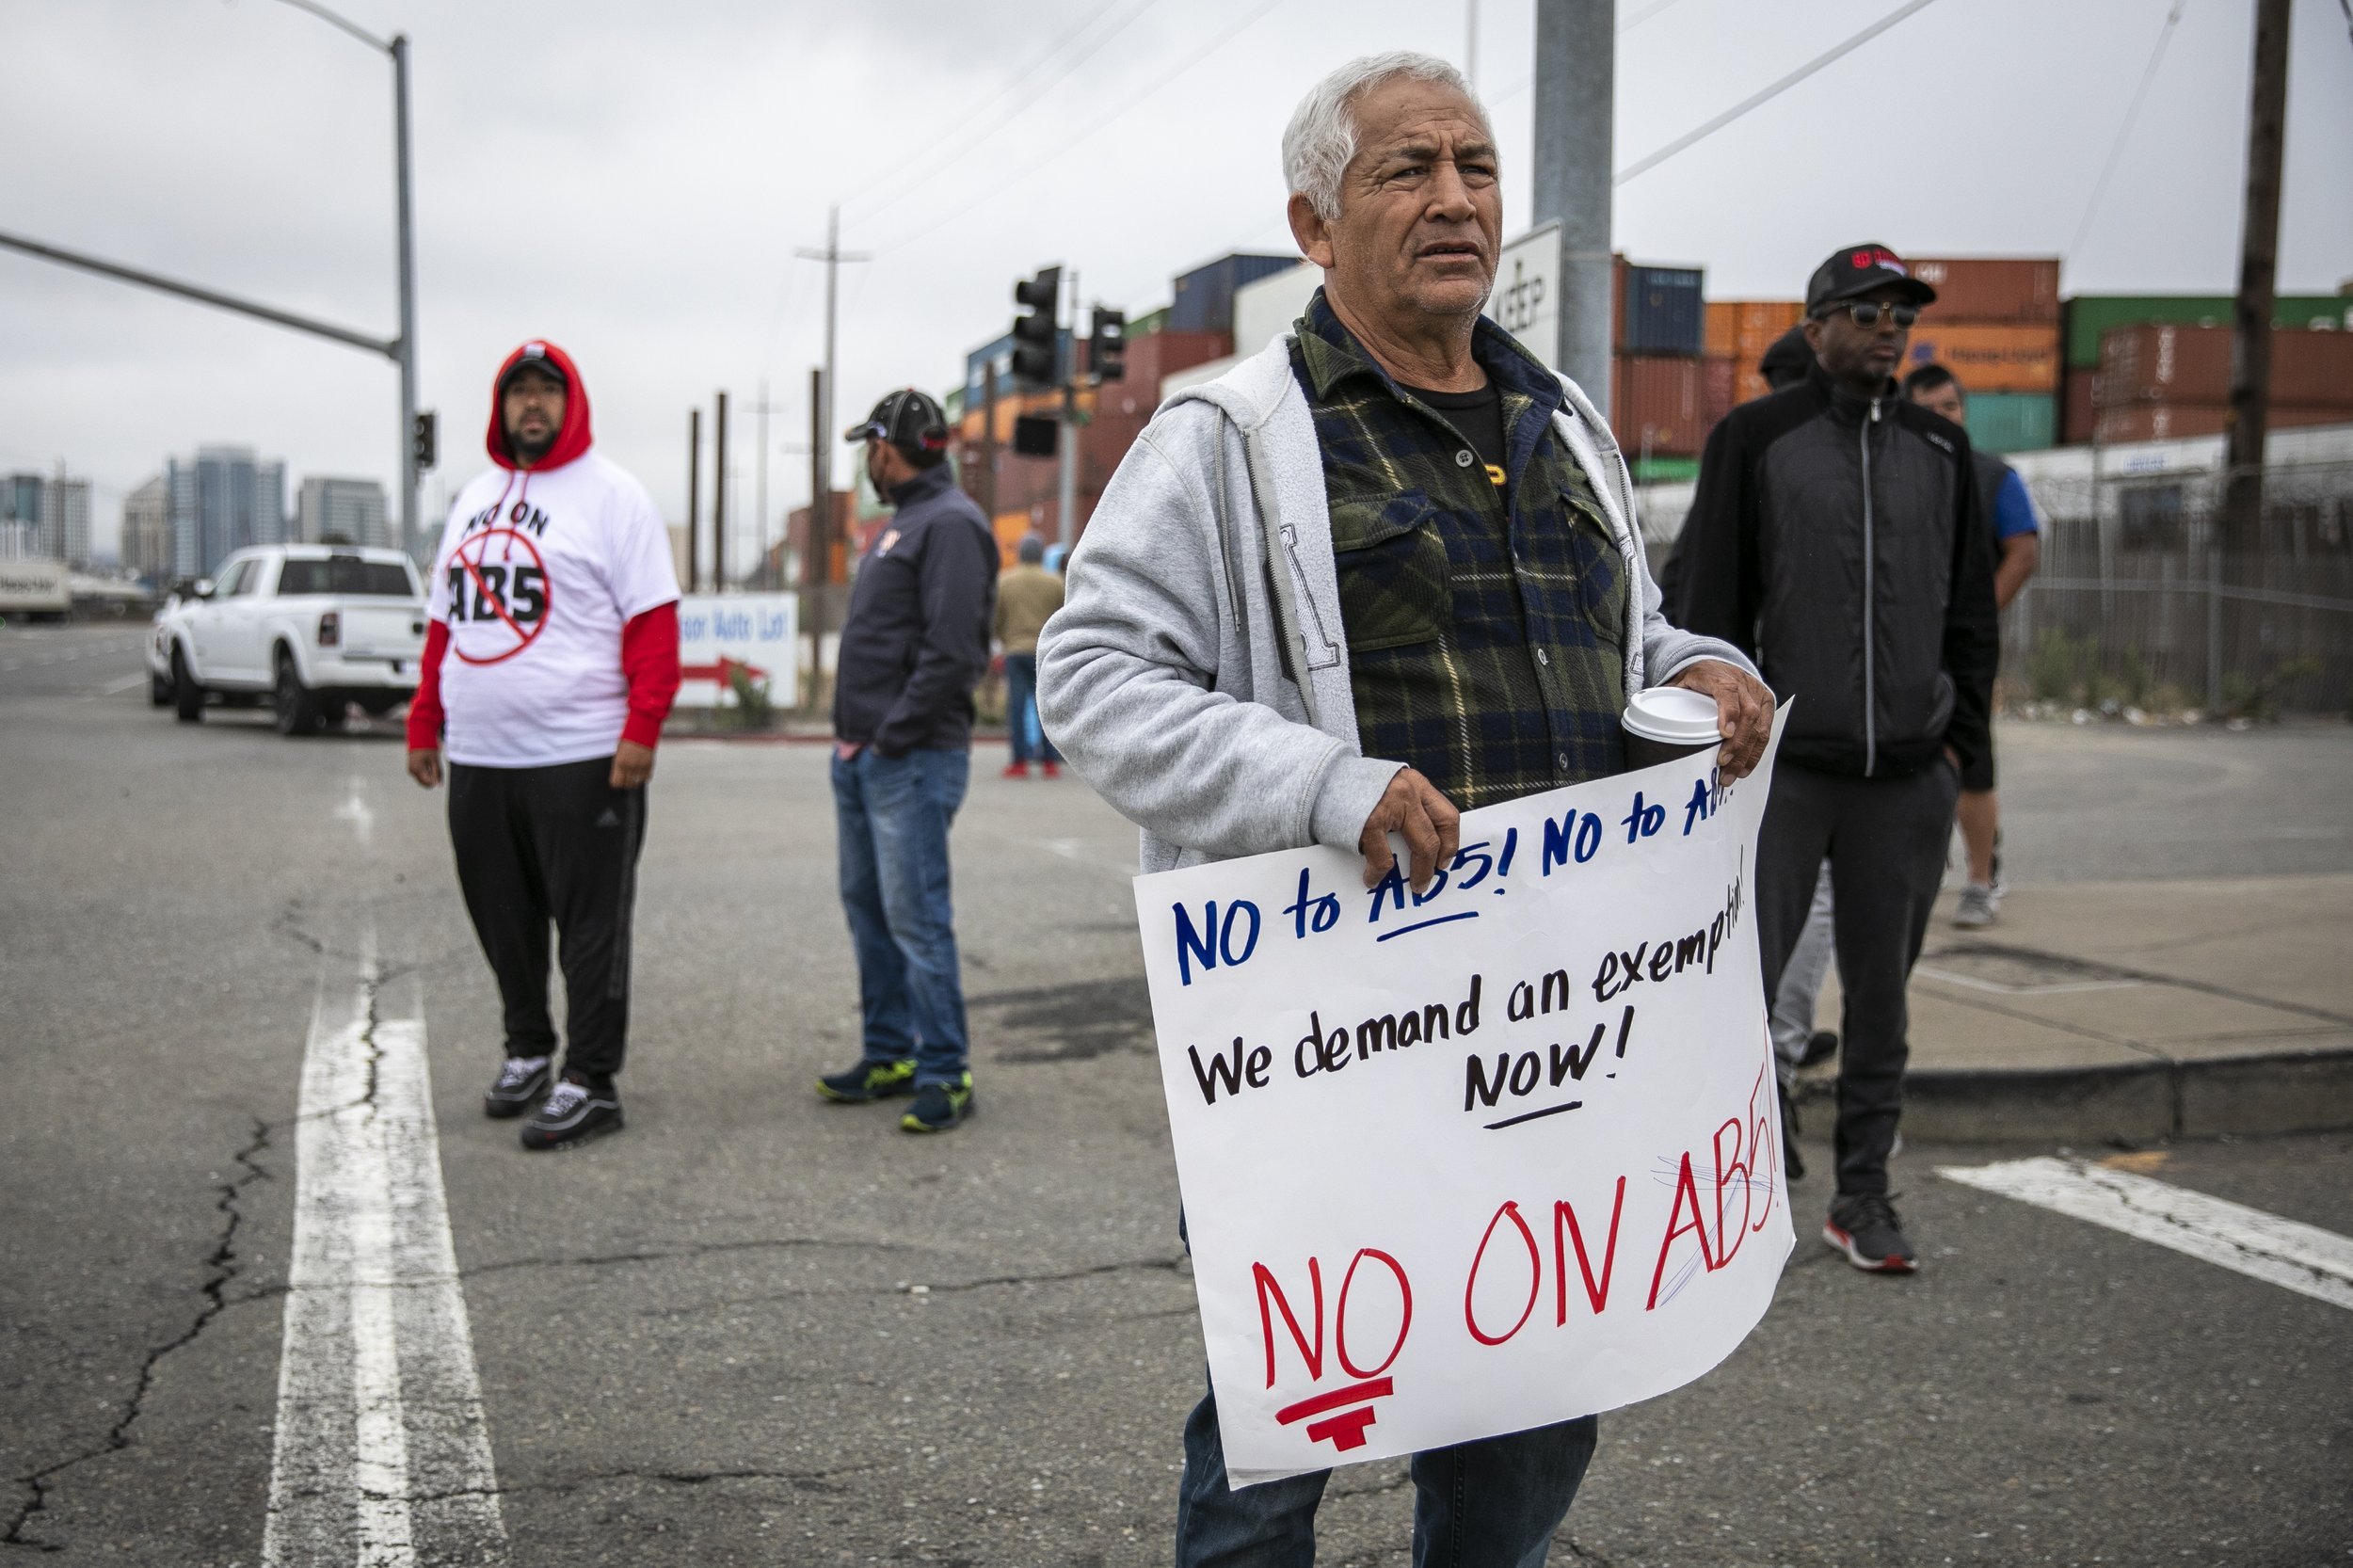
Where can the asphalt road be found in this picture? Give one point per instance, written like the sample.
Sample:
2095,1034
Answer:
702,1342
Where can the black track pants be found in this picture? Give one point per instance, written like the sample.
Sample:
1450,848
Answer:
557,844
1885,840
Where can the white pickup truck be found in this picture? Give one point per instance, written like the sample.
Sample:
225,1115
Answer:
315,628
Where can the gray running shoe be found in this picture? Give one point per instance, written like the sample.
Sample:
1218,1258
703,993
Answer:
1980,905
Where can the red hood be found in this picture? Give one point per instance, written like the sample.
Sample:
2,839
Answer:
572,437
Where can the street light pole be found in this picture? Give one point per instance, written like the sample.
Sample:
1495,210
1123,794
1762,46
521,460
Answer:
410,522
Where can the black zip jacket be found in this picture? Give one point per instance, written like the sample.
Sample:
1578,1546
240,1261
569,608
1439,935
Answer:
1840,543
916,640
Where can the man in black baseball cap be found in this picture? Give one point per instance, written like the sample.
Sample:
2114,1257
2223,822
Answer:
1836,538
913,647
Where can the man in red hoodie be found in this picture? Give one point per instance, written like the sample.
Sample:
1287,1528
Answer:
552,659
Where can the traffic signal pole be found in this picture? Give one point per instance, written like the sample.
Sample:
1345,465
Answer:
1066,474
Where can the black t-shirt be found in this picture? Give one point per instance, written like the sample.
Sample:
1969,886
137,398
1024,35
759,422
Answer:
1477,417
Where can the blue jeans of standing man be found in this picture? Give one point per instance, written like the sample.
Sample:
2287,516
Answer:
1490,1504
1029,743
892,816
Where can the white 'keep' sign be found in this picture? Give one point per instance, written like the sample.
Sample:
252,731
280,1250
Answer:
1498,1155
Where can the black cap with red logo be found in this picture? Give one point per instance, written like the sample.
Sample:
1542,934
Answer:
1856,271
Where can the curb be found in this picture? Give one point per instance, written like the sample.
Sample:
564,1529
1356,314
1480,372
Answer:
2307,1091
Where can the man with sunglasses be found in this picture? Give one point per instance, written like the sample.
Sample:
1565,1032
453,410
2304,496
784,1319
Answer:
1837,538
914,645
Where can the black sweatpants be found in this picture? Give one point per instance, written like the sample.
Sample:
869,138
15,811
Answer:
1885,840
556,844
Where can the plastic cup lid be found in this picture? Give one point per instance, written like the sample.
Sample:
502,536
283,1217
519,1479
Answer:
1672,716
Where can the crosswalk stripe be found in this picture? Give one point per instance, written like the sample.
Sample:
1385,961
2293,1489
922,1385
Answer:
2287,1253
382,1458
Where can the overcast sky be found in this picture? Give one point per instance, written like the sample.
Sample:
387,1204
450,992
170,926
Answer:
632,179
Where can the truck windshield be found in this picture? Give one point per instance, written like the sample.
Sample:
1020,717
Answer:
346,575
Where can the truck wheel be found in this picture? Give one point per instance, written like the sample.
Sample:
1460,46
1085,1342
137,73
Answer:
158,689
187,698
293,705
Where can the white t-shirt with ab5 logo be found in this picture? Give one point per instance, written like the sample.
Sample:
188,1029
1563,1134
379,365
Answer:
535,576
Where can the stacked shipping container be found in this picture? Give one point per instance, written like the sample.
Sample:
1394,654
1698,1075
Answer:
1658,387
1995,326
2164,382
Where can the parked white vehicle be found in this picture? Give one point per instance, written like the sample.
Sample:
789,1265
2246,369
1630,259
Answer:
314,628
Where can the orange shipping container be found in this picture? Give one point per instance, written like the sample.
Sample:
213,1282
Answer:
1742,330
1992,288
1658,405
1990,359
2173,422
2192,366
2077,413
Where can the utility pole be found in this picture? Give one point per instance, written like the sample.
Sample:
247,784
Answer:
817,545
1575,75
1470,43
833,256
760,502
1066,451
719,500
988,441
2258,267
694,495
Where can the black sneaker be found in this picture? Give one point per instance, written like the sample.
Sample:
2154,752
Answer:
1864,1227
938,1107
868,1081
1820,1046
523,1083
573,1114
1791,1162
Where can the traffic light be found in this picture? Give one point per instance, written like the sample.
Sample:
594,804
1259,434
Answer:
1107,345
1036,436
1034,331
423,440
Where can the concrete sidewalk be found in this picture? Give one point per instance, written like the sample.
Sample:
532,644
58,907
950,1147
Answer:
2131,1011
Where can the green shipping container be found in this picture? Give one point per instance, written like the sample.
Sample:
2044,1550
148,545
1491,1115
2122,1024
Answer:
2088,315
2013,421
1664,471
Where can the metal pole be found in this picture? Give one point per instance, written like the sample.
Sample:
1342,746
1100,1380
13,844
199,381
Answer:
760,526
719,500
2258,267
825,415
1067,450
1470,43
988,440
817,540
694,496
1576,68
408,519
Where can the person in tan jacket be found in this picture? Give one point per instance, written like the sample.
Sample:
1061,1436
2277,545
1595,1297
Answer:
1027,595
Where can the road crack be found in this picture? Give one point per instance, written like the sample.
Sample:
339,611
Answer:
221,1266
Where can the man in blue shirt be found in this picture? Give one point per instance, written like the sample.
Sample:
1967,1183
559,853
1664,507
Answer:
2018,540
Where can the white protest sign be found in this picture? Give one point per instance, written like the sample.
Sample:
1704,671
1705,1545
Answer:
1498,1155
721,634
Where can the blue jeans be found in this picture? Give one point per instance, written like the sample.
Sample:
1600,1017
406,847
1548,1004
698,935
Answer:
892,816
1021,721
1490,1504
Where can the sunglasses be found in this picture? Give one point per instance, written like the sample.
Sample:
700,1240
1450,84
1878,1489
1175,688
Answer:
1866,313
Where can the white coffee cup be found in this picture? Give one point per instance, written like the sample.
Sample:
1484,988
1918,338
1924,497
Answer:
1663,723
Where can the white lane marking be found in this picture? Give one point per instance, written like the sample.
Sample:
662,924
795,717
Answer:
2296,1256
114,688
356,809
382,1457
2058,988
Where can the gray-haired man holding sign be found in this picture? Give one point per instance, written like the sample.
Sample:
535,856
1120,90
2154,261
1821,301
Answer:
1382,572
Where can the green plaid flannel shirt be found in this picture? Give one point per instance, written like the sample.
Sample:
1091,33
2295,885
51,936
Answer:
1485,615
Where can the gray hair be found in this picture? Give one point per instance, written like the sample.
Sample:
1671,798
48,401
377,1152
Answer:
1321,137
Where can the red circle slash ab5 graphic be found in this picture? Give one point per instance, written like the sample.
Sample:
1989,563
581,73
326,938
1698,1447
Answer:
498,596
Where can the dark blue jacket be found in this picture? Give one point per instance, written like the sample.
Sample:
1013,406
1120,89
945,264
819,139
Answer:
916,642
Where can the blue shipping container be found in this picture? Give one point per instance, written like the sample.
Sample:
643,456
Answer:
1204,295
2013,421
1664,312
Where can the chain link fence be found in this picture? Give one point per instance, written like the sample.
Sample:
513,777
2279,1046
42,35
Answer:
2139,603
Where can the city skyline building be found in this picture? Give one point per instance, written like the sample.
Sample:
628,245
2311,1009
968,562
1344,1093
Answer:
223,499
330,510
146,543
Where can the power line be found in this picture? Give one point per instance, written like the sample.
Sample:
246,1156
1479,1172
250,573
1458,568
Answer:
2123,132
1072,141
930,168
1644,166
1643,15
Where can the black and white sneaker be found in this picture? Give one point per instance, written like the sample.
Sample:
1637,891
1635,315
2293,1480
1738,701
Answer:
521,1084
1864,1226
573,1113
